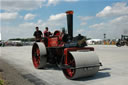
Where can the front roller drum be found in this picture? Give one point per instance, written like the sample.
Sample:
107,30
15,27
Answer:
81,64
39,55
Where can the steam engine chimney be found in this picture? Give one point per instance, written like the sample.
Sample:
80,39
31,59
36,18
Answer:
70,23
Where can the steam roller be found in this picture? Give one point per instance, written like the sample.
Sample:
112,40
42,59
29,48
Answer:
71,54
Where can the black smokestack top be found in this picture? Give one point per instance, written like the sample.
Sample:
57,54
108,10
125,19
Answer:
70,23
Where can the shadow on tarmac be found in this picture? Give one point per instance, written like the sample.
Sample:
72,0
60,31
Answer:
38,81
51,67
97,76
33,79
105,69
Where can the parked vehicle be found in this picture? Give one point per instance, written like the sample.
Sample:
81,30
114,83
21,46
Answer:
123,41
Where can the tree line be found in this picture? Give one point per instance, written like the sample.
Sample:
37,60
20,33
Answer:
23,39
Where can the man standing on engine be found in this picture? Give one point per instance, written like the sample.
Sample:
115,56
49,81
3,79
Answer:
47,33
38,35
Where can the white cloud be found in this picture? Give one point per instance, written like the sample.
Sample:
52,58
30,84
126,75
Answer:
97,25
8,16
83,23
39,21
27,25
31,24
84,19
121,20
29,16
116,9
55,2
80,31
113,28
26,29
71,0
16,5
57,17
54,22
17,32
23,30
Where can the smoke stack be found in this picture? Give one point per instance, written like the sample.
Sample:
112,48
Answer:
70,23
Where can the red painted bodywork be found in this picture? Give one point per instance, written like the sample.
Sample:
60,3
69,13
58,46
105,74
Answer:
53,42
56,40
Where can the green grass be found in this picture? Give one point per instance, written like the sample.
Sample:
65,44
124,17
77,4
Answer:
1,82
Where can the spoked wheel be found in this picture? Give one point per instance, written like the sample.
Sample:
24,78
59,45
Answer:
36,57
39,55
69,73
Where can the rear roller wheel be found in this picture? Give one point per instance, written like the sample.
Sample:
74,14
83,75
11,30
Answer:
39,55
82,64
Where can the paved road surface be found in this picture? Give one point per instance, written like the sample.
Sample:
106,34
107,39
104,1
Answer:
11,75
113,71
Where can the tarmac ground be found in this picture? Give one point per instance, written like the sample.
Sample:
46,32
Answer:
113,71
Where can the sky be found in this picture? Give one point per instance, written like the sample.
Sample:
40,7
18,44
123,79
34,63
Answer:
91,18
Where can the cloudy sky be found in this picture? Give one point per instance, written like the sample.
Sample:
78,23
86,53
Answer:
92,18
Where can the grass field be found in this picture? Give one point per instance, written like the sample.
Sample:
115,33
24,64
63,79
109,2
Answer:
2,82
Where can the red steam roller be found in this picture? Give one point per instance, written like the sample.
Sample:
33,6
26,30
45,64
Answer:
72,56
